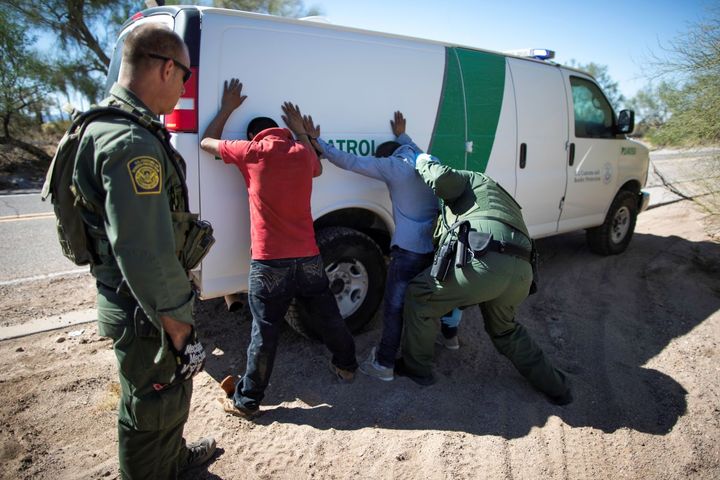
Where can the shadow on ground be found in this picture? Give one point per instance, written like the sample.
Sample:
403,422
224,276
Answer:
601,319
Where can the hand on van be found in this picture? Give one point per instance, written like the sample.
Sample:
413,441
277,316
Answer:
293,118
313,132
311,129
398,125
232,96
295,122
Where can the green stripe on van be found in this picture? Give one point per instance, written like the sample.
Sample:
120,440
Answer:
483,76
484,79
448,140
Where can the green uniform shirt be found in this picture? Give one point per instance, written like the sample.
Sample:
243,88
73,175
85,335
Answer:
124,172
474,197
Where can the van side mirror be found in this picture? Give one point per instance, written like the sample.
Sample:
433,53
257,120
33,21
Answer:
626,121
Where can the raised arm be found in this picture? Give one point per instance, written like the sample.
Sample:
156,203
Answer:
294,120
446,183
398,125
232,98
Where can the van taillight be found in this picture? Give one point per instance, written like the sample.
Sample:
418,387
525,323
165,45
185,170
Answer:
184,117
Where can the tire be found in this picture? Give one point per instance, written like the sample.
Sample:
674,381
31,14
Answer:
614,235
356,269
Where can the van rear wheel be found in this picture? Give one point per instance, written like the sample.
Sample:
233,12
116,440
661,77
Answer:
614,235
355,267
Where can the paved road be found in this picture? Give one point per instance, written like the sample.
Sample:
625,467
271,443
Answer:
683,173
28,243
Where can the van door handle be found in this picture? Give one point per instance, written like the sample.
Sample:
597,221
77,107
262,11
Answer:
523,155
571,154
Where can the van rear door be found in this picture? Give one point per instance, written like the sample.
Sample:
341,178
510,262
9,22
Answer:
182,122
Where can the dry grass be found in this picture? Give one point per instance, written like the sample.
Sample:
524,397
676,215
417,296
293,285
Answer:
111,398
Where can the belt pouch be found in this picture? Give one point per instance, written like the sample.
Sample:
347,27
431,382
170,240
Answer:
479,242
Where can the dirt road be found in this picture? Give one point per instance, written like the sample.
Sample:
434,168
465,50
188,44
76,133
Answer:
638,334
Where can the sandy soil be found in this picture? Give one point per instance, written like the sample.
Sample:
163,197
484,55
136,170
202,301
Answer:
43,298
638,334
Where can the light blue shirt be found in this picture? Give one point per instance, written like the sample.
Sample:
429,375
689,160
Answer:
414,204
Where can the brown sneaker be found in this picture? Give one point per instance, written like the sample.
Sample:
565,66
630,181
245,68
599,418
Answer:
228,406
228,385
341,375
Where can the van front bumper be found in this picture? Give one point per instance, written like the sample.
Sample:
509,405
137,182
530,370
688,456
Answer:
643,201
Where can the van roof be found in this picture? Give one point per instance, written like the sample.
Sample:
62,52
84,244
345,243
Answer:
173,10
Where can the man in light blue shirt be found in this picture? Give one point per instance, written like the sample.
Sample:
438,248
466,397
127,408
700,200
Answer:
415,209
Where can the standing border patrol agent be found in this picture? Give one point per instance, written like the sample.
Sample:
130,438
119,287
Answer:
131,184
484,257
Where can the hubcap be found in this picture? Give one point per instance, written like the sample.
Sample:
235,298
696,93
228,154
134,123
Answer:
620,225
349,284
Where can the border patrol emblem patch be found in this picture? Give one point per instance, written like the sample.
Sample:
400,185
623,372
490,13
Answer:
145,175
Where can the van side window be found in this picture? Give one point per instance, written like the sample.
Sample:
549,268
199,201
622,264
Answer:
593,114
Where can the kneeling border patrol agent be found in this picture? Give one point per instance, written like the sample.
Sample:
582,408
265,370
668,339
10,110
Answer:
484,257
141,241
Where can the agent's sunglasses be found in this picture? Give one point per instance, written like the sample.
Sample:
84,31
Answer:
187,73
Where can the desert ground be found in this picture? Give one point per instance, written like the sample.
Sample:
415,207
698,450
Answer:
638,334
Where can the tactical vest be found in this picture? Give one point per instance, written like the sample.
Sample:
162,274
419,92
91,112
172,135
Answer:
492,202
498,204
193,237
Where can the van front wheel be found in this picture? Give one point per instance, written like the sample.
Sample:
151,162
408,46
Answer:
355,267
614,235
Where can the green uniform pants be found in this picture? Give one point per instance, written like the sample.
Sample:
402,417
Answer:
498,283
150,418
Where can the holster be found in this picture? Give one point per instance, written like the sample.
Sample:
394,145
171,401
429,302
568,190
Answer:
443,260
462,252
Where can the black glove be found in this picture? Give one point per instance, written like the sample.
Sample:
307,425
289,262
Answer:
190,359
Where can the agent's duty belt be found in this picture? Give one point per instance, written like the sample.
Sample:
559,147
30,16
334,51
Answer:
507,249
482,242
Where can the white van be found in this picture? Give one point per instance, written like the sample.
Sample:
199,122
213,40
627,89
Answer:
546,133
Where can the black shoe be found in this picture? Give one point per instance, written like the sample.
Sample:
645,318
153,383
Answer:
199,452
401,370
563,399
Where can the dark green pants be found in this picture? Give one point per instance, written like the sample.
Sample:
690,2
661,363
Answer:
150,419
498,284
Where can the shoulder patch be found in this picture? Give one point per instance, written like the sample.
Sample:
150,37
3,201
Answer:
145,175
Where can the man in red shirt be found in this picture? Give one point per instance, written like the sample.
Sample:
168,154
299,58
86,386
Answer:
285,260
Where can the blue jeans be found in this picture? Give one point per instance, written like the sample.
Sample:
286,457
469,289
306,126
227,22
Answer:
404,265
272,286
449,323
